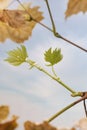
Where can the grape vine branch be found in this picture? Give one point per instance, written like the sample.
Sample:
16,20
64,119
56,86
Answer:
53,30
19,56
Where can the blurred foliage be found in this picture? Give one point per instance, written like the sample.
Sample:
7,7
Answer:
76,6
17,56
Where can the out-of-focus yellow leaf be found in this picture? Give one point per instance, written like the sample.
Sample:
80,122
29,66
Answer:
82,124
25,6
4,3
4,111
72,129
32,126
76,6
10,125
17,25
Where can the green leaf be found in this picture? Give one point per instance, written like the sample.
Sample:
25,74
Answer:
17,56
53,57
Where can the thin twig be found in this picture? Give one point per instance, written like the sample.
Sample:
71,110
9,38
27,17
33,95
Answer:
56,34
67,107
74,44
85,107
33,18
10,4
51,17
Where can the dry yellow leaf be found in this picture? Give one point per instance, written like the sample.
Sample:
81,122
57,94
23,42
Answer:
18,24
32,126
76,6
4,111
10,125
82,124
4,3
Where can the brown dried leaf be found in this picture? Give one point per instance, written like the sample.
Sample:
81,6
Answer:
67,129
82,124
76,6
10,125
73,128
4,111
32,126
17,25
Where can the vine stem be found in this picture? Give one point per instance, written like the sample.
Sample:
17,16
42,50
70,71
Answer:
56,34
51,17
84,104
67,107
33,64
72,43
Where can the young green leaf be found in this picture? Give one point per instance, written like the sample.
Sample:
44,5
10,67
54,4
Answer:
17,56
53,57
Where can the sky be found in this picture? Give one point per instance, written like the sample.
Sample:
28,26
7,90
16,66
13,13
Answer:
31,94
